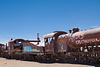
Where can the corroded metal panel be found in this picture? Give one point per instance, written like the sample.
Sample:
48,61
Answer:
62,45
48,35
49,48
29,47
83,38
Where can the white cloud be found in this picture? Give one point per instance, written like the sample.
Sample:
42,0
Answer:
94,27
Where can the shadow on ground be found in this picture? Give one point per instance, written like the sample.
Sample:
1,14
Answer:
51,62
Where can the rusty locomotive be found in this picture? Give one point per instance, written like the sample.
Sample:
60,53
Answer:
77,46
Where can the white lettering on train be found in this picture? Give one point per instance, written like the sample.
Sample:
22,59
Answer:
73,38
87,41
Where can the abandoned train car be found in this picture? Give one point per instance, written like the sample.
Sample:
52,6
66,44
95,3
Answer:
23,49
76,46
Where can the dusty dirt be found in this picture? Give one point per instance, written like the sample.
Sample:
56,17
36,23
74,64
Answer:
18,63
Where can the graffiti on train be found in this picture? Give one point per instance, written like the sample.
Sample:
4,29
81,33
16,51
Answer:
87,41
73,38
28,49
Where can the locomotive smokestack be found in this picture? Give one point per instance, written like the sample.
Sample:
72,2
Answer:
11,38
70,31
76,29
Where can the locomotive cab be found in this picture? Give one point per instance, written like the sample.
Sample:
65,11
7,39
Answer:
15,44
49,47
50,41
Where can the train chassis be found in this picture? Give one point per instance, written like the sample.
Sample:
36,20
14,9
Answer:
71,57
86,55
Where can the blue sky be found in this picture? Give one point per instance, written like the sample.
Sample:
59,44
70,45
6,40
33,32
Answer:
25,18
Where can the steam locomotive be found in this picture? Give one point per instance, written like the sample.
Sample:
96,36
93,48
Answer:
76,46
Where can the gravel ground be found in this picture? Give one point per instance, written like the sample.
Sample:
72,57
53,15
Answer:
18,63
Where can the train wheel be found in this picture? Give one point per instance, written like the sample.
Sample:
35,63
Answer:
91,60
53,58
32,57
25,57
17,57
67,59
74,59
8,57
37,57
82,60
20,57
40,57
43,57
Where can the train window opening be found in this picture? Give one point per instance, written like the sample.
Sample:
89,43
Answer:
95,48
53,38
19,42
81,48
85,50
16,47
89,48
48,40
99,46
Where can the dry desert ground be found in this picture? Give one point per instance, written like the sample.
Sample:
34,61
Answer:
18,63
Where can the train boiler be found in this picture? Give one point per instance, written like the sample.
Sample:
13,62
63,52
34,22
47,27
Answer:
84,45
84,39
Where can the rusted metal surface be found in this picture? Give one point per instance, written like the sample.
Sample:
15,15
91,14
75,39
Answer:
25,46
29,47
1,44
63,36
83,38
25,40
49,48
52,47
34,53
49,35
54,34
17,40
83,46
62,45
